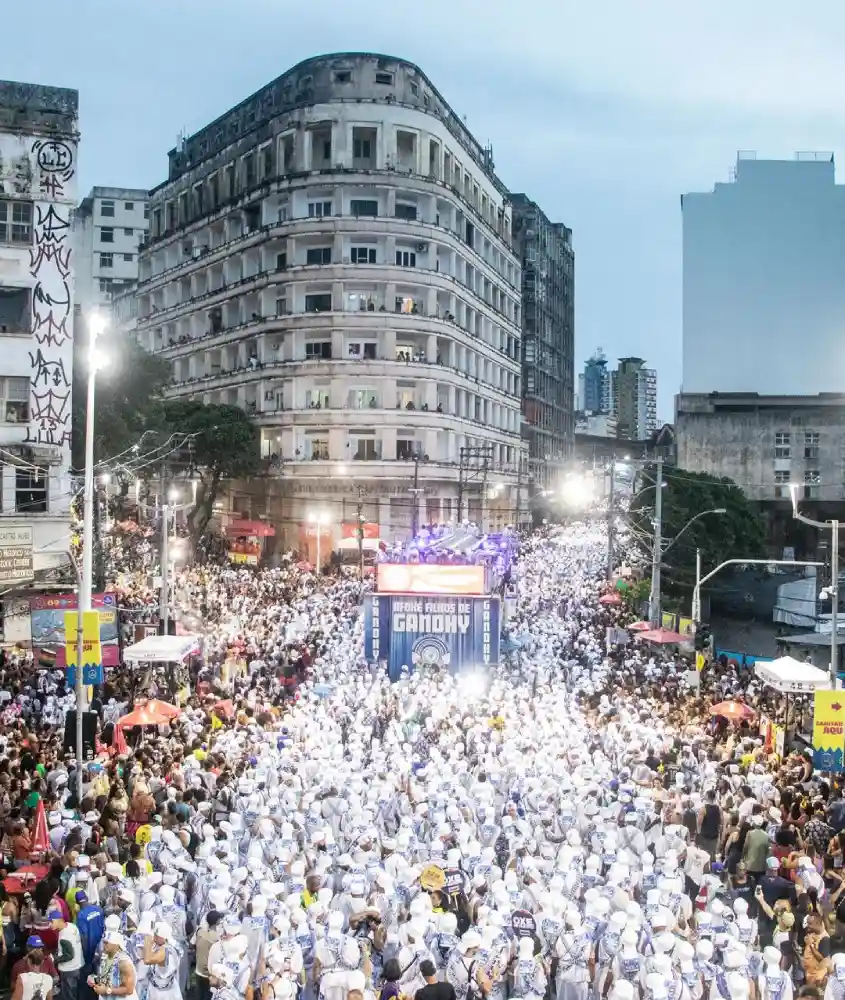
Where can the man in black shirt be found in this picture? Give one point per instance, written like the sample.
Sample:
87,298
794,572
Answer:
433,990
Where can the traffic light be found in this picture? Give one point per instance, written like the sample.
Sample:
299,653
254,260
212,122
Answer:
703,636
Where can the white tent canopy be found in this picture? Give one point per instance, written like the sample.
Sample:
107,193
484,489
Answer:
162,649
790,676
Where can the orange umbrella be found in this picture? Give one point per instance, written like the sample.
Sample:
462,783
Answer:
119,740
40,837
143,716
733,710
225,708
638,627
163,708
662,636
610,599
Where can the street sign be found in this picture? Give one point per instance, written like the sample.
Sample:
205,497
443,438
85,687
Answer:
15,554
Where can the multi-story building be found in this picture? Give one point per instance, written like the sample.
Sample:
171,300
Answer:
765,444
38,157
335,255
634,399
594,385
763,295
548,338
108,227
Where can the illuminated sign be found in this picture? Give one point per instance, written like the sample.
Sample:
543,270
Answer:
425,578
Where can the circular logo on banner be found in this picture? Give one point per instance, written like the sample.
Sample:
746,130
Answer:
523,923
430,651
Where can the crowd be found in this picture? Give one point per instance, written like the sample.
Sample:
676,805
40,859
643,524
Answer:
574,824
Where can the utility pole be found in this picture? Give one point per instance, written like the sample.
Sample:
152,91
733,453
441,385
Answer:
164,557
360,532
415,493
611,513
519,491
654,615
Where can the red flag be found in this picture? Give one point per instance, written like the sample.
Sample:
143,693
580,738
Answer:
40,837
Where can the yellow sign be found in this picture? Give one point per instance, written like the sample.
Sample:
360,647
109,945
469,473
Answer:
432,878
699,662
685,626
91,651
828,730
669,620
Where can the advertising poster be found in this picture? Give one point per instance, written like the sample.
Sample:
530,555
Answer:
47,616
828,730
433,631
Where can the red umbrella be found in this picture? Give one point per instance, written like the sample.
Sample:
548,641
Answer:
162,708
639,627
733,710
40,837
662,636
610,599
143,716
119,740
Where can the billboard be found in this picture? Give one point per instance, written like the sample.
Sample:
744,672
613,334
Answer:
47,616
15,554
828,730
429,578
431,631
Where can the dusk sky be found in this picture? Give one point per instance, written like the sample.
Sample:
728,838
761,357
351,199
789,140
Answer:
604,113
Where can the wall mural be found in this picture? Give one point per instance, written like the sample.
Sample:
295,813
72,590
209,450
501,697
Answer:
52,296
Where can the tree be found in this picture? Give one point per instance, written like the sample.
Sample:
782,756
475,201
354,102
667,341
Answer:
224,444
735,534
127,401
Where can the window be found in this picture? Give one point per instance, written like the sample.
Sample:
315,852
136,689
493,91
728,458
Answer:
367,350
128,232
281,307
343,76
406,258
129,206
106,260
363,399
782,445
106,235
363,255
267,161
406,212
319,209
782,480
385,78
15,400
361,149
812,480
318,449
319,255
15,222
147,209
363,206
15,310
129,257
318,349
316,399
367,449
415,90
406,449
318,303
31,490
107,208
811,444
281,261
105,285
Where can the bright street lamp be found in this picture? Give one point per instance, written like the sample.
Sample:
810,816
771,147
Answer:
319,518
577,491
96,326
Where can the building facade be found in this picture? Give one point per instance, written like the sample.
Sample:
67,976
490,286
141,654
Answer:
38,157
335,255
763,296
634,399
108,227
595,392
548,338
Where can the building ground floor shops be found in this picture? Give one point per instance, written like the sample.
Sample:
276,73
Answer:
303,507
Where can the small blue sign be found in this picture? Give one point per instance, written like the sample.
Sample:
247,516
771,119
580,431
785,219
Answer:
92,673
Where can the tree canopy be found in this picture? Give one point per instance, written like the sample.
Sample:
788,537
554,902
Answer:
127,400
735,534
223,444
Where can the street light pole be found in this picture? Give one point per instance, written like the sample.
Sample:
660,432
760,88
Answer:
654,615
611,513
833,526
96,325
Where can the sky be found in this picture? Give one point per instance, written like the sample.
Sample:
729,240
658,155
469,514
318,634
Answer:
602,112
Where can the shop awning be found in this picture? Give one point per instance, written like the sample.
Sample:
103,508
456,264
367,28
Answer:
162,649
790,676
249,529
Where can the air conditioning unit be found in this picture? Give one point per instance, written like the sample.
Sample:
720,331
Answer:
422,247
187,249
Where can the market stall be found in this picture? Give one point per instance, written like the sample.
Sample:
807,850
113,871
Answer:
792,677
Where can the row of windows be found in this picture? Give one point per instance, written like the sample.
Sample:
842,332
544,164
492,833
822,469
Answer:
107,234
107,259
16,222
107,208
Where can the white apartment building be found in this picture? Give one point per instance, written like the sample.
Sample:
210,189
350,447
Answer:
763,295
108,227
335,256
38,159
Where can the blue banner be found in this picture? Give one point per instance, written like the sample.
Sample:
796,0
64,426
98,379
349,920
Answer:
92,673
413,631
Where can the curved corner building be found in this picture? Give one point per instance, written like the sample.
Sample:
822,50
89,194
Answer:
335,256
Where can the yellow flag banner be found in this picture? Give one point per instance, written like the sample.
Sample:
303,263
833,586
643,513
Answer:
91,650
828,730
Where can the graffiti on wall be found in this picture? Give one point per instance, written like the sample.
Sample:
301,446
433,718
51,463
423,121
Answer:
52,301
